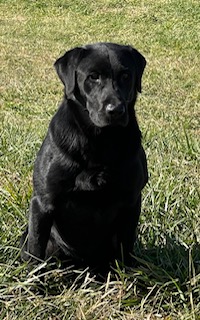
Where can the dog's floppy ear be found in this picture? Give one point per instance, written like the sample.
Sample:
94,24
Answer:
66,68
140,63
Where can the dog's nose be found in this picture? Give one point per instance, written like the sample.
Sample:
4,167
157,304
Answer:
113,110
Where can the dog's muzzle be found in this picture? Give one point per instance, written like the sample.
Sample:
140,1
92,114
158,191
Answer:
115,111
110,115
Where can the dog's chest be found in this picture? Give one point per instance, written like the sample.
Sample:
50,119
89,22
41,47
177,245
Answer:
109,149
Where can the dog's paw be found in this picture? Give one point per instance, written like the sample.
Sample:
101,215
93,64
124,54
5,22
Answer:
101,179
91,180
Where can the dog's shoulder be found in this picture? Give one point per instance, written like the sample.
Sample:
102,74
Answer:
66,133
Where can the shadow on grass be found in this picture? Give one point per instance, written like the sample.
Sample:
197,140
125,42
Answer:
175,259
164,275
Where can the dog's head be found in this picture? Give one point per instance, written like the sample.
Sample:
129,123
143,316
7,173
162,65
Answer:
104,78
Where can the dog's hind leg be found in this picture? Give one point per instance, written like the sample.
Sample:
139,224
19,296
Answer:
39,228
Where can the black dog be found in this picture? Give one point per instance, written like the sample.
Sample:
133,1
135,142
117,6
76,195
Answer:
91,167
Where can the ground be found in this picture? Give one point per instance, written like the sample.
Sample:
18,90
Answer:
165,284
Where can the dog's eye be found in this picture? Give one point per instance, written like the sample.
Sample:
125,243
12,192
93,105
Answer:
125,76
94,76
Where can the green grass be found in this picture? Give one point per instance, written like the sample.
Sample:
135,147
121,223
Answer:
166,282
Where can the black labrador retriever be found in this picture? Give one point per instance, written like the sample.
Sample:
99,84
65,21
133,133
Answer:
91,167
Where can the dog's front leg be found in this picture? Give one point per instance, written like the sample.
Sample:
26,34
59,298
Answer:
126,232
39,228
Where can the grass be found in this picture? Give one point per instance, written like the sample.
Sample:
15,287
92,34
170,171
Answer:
166,282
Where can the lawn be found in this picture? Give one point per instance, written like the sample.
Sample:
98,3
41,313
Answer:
165,284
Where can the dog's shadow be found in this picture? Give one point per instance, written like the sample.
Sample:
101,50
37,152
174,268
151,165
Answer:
172,261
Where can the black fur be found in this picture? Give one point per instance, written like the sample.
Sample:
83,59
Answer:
91,167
